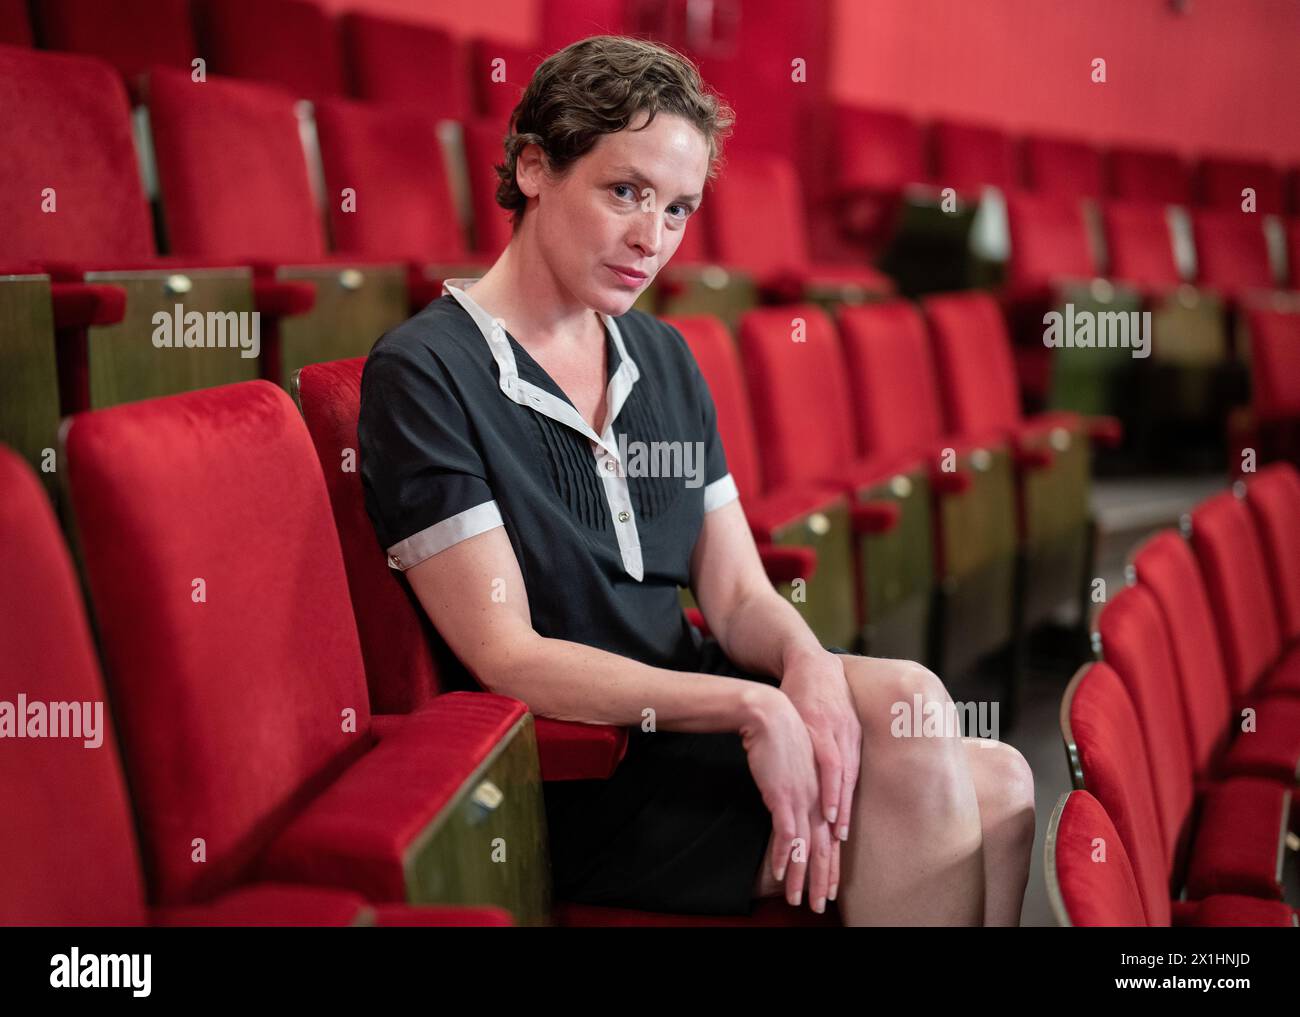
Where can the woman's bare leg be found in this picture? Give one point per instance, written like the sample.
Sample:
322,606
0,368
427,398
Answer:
1004,785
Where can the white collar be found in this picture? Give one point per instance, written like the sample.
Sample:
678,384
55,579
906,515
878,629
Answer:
619,386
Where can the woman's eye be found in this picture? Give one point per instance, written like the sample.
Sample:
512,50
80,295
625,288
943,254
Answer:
626,187
685,212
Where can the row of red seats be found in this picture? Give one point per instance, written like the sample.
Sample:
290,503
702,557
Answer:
880,152
1184,739
291,43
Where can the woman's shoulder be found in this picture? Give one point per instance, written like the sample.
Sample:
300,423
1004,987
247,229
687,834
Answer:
440,331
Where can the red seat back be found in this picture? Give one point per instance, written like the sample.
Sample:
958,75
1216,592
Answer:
1274,363
132,35
67,840
1049,239
401,63
1136,646
392,159
1236,578
399,667
1166,567
799,390
68,148
1138,174
222,608
1069,168
1094,890
877,150
1139,244
773,242
15,27
291,43
1221,182
969,156
500,71
977,376
715,352
892,374
231,169
484,149
1105,729
1231,251
1273,496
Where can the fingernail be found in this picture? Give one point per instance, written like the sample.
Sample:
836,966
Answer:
835,814
834,890
798,896
820,906
844,832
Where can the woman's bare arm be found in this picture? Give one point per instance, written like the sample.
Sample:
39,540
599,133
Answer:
475,596
757,628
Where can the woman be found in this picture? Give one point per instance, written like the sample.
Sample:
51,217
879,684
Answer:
498,430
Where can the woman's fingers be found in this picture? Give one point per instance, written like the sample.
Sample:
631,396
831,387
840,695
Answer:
835,869
797,874
819,882
851,756
830,771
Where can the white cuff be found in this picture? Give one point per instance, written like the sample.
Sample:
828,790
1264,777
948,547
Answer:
720,492
440,536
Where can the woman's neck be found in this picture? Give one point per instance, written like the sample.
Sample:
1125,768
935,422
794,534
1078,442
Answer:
520,290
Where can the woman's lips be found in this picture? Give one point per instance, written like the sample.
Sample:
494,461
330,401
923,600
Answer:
627,277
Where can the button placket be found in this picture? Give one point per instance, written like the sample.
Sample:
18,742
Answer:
525,393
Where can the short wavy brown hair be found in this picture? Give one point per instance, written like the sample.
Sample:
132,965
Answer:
597,86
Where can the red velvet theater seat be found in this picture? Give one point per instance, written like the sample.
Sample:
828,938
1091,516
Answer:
498,73
773,247
1149,175
1139,245
132,35
1166,567
1224,836
1232,560
1274,499
1087,888
1107,757
878,155
969,157
68,839
1072,169
1221,181
392,160
235,184
402,63
1231,252
233,661
15,26
483,139
291,43
784,520
1275,378
1049,240
396,637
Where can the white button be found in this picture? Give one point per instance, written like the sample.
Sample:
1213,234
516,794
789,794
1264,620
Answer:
609,464
395,561
624,516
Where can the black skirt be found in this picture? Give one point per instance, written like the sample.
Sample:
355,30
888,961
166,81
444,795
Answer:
680,827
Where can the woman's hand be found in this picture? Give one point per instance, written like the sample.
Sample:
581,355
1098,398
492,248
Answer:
780,754
815,684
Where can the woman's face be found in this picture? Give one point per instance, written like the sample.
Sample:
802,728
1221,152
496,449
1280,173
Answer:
624,205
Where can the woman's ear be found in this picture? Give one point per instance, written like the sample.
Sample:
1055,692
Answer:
530,165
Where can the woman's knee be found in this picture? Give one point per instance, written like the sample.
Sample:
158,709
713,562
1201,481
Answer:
1004,781
888,692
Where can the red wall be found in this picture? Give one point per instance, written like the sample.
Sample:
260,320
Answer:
1225,76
